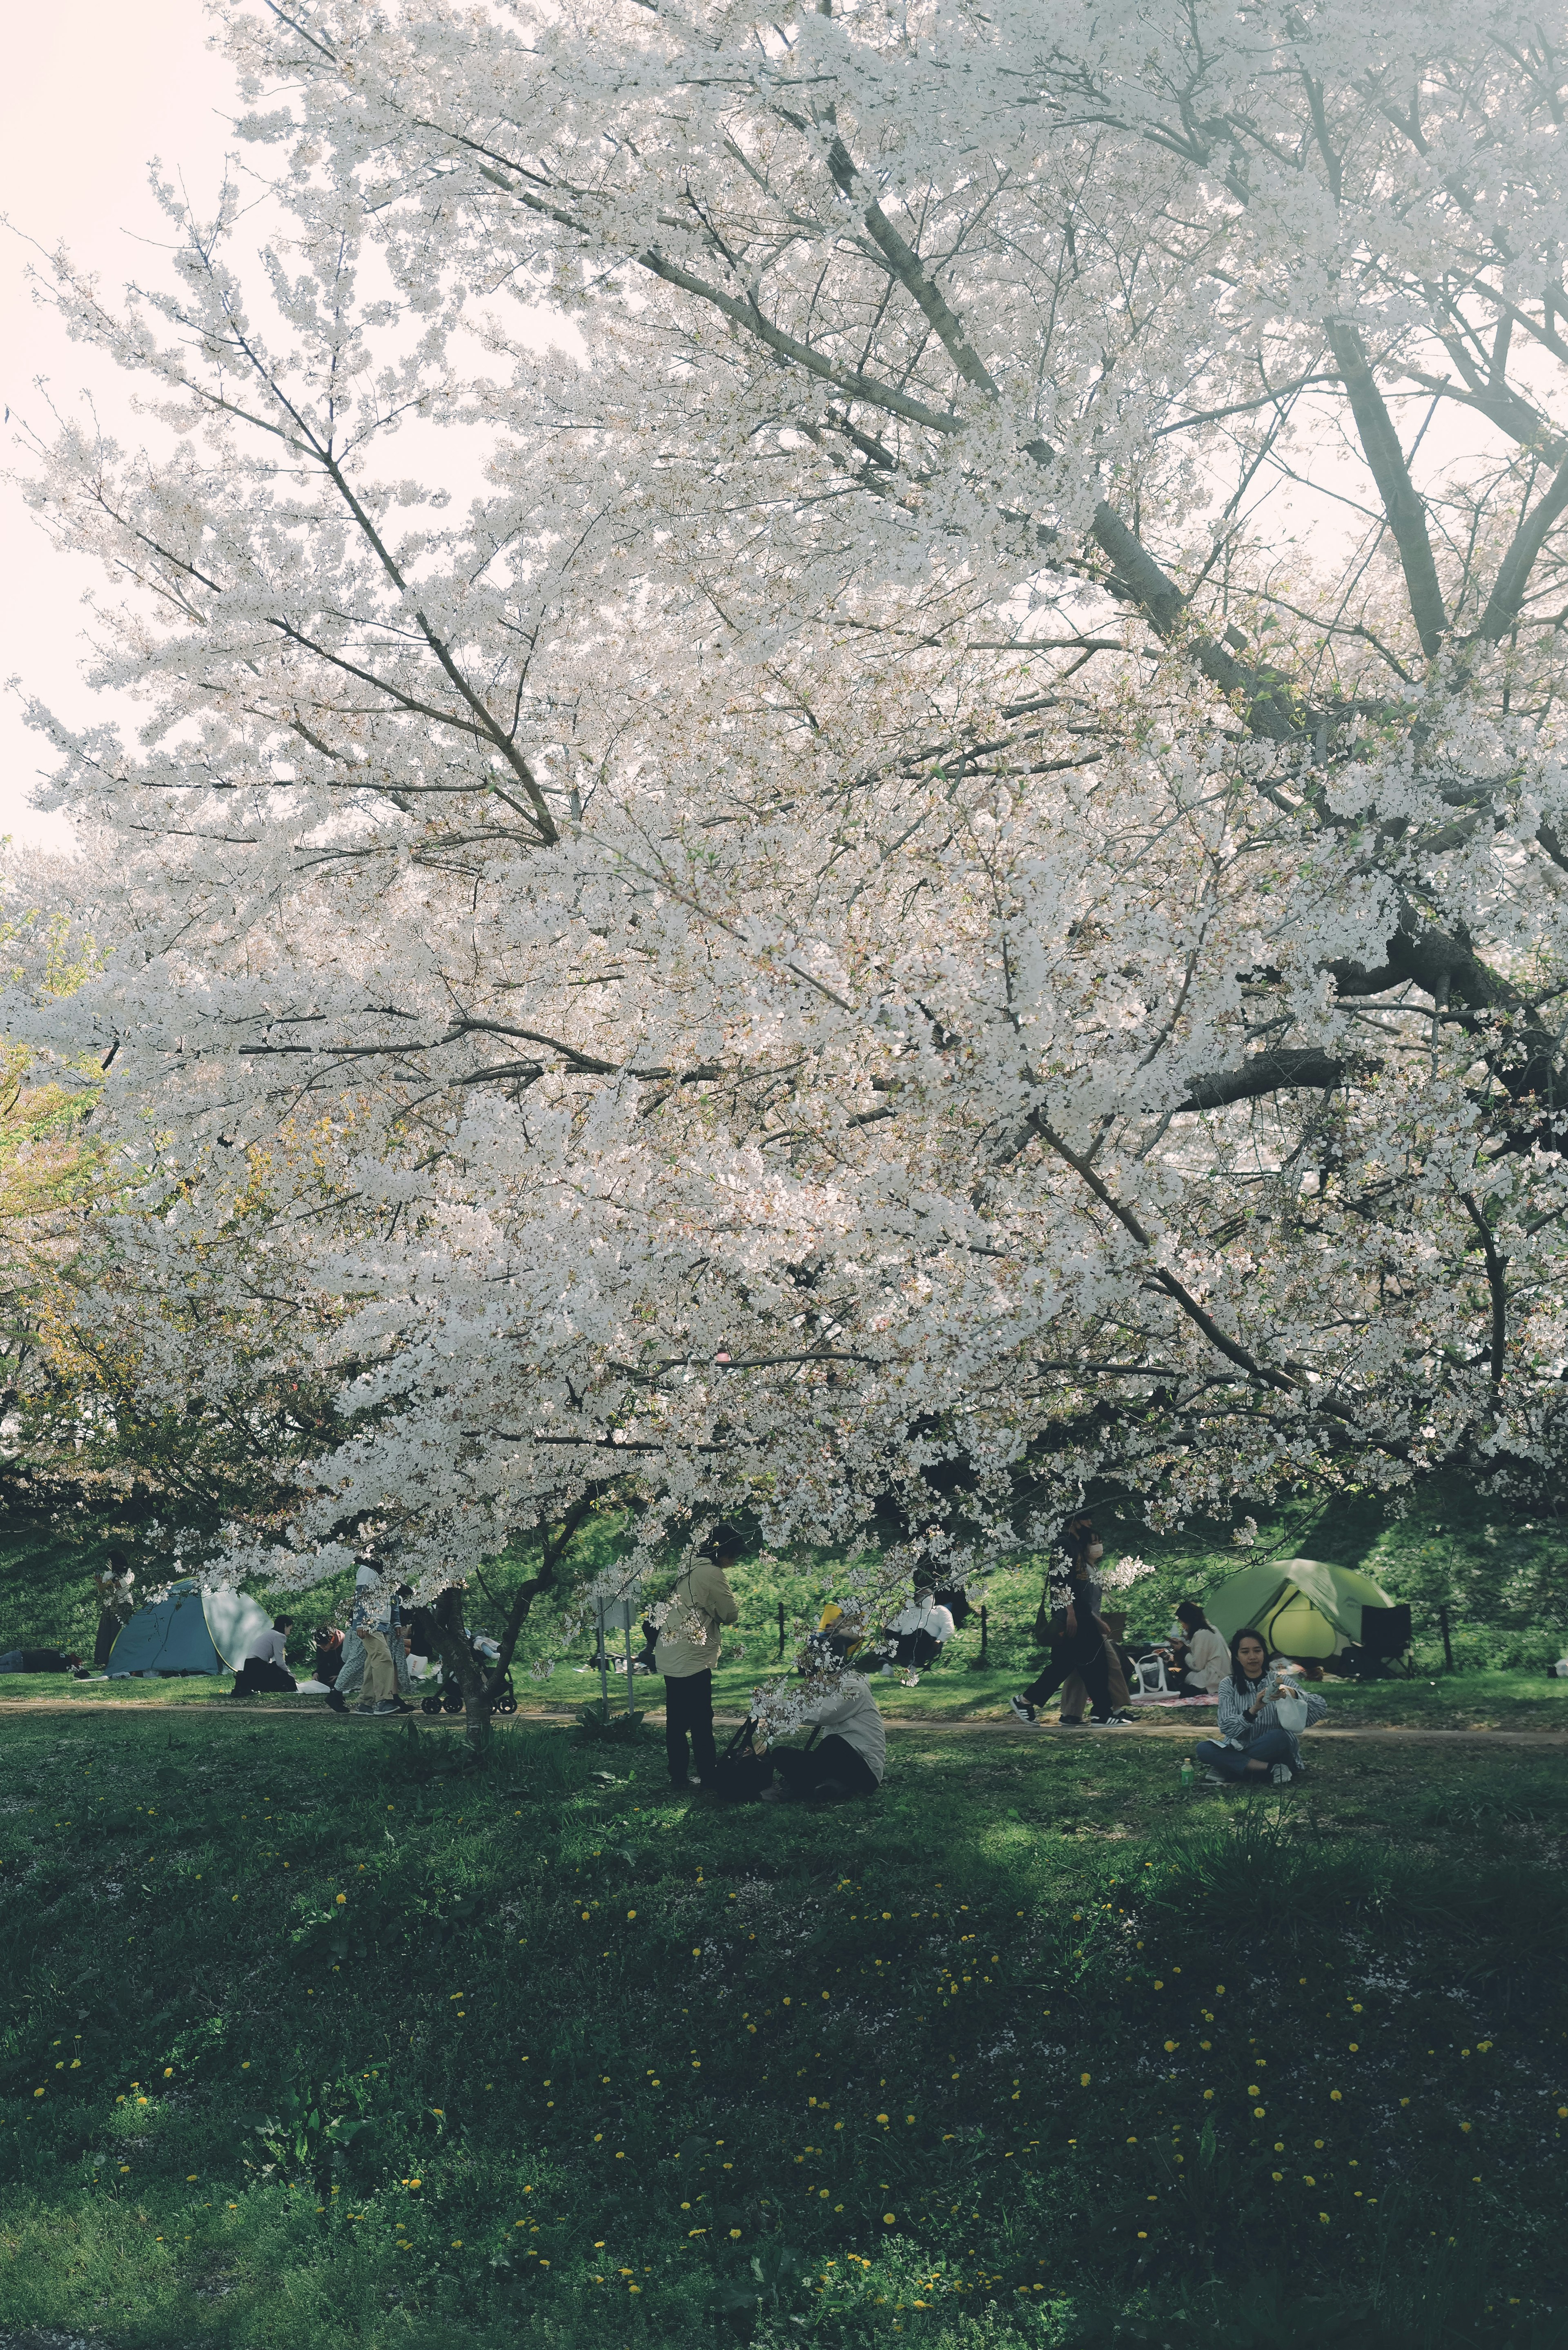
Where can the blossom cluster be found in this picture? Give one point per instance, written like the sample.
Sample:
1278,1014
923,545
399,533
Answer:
820,905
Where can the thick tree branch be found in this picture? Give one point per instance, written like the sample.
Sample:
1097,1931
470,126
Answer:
1496,1275
1159,1276
1306,1066
1406,513
556,1548
1507,597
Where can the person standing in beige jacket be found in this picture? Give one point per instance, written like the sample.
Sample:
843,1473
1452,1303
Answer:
687,1651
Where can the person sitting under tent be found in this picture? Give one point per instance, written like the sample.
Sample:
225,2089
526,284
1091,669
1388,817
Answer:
921,1630
39,1660
1198,1652
266,1669
114,1585
1254,1743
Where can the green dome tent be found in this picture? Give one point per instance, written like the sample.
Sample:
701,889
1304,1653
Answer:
189,1631
1304,1608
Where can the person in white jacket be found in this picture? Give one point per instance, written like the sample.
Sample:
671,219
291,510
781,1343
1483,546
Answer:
852,1757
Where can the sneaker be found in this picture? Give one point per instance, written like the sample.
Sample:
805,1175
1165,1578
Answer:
693,1781
1215,1779
774,1794
1109,1720
1021,1708
1281,1774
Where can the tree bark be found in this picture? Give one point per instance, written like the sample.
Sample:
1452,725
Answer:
480,1687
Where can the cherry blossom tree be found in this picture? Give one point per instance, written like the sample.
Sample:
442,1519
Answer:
850,793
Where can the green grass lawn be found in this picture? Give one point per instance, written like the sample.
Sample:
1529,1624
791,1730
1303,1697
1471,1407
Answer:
1462,1700
311,2036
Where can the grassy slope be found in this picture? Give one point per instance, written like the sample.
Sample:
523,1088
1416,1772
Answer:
628,2094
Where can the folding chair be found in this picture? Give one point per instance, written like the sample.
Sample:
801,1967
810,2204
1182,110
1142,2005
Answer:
1157,1687
1385,1640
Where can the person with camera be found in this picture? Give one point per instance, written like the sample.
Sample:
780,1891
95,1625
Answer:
688,1649
851,1759
1254,1743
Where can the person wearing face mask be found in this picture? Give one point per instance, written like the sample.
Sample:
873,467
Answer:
1254,1743
687,1651
1076,1634
1198,1654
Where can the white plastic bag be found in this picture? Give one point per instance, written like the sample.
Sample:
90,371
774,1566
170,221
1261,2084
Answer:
1291,1709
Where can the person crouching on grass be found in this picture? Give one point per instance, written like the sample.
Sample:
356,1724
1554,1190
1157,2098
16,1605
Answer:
687,1651
265,1668
1251,1744
849,1761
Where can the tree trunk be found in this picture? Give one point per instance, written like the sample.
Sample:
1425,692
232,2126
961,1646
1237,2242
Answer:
480,1687
476,1706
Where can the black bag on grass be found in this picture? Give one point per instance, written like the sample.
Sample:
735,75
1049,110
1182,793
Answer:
741,1774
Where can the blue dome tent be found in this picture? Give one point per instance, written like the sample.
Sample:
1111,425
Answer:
189,1630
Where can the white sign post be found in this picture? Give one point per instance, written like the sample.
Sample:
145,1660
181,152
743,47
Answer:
617,1615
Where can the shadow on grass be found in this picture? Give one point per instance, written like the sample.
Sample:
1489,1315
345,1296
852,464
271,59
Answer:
337,2042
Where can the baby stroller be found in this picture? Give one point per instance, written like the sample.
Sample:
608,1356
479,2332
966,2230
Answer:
447,1696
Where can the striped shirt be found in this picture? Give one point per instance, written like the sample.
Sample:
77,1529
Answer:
1236,1729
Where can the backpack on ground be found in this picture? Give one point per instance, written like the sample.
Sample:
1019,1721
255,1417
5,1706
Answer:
741,1772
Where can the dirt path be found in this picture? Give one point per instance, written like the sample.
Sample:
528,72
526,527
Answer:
1182,1731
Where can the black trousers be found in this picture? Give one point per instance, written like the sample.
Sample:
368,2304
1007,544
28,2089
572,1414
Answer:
1083,1653
917,1649
830,1758
255,1675
688,1711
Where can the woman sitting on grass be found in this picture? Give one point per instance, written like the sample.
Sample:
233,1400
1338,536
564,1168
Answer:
1205,1660
1251,1744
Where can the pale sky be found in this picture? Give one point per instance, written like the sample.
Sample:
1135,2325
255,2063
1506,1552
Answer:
92,90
